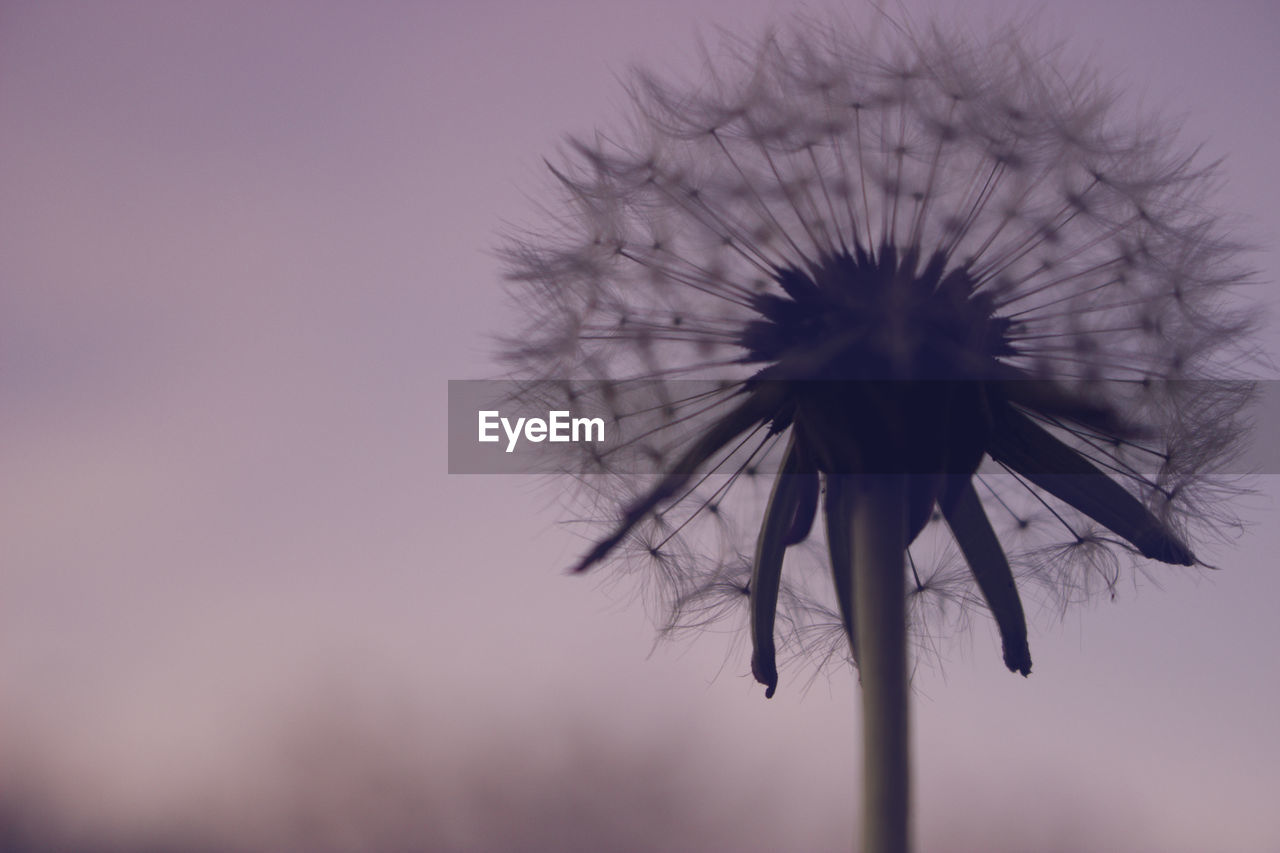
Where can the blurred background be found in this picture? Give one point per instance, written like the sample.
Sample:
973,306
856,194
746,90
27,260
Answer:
243,607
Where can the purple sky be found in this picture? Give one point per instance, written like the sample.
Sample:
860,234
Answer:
242,248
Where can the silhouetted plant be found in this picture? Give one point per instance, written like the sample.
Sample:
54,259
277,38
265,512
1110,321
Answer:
942,288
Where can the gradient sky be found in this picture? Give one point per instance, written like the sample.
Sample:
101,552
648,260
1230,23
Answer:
243,246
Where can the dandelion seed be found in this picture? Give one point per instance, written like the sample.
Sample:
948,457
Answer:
929,290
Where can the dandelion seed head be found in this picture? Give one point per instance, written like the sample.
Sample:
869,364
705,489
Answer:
1037,275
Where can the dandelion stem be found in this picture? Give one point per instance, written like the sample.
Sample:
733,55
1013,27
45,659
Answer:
876,507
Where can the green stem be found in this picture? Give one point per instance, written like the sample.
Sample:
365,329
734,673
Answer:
877,526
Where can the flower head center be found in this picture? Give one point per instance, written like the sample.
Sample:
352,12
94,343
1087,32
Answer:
858,316
884,366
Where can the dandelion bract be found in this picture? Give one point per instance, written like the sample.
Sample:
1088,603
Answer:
835,256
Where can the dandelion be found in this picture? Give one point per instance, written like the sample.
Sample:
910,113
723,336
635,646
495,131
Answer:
934,290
